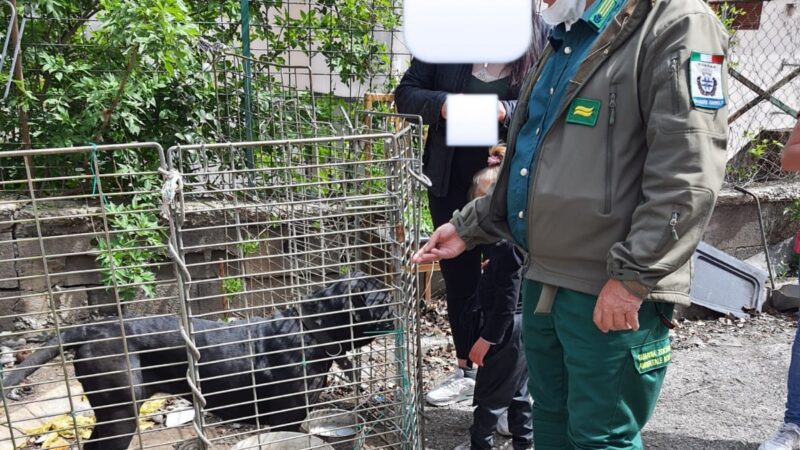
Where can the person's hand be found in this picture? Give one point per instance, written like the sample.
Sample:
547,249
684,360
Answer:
501,112
616,308
484,264
444,110
445,243
479,351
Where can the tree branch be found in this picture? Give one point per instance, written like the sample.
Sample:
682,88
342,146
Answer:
24,128
108,112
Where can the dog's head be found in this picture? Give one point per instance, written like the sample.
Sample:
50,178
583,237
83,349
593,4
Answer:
351,311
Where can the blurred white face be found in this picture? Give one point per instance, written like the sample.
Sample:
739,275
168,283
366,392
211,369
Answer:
469,32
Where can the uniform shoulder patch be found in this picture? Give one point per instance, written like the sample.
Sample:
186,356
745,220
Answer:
584,111
705,80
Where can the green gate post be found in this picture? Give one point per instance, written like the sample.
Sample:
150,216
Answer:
248,81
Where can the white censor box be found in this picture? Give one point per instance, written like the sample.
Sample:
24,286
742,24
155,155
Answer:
471,120
467,31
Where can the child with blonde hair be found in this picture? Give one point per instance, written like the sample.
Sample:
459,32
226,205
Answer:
502,378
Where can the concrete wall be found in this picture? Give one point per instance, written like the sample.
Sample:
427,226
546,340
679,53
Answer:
79,293
284,267
734,226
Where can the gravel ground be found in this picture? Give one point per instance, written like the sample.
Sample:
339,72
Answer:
725,388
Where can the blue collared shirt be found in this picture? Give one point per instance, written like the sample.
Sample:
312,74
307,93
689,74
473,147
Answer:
569,50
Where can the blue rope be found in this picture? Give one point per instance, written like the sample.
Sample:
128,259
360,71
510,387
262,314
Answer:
96,178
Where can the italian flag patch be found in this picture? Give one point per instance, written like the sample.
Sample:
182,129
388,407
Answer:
705,80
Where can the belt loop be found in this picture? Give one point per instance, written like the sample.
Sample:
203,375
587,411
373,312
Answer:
670,324
546,299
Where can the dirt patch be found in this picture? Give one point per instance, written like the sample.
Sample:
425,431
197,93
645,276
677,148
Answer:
725,389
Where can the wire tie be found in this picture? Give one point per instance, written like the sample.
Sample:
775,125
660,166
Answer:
95,176
379,333
173,183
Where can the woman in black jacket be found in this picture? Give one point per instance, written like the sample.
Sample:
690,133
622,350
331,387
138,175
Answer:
423,91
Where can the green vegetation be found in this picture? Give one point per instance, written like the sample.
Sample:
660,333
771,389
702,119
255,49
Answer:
132,70
136,242
759,162
248,247
232,286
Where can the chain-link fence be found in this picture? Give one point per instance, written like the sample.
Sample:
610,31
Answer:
90,71
74,56
764,85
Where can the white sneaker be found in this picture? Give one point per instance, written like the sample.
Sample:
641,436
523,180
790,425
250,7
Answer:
786,438
502,425
453,389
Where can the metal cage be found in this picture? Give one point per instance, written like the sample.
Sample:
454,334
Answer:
232,290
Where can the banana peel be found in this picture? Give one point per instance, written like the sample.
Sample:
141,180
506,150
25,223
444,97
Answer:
149,408
63,427
55,442
152,406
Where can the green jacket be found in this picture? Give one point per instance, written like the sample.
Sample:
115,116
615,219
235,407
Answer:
630,197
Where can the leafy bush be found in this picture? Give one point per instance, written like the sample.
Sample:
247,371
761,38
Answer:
130,70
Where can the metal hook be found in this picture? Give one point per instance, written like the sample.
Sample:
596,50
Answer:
421,177
17,46
11,22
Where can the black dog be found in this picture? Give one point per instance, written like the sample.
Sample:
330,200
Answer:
282,362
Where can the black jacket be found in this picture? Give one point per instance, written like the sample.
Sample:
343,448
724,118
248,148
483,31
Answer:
423,90
498,290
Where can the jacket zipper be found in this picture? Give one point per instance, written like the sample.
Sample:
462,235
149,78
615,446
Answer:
612,118
673,68
673,223
532,189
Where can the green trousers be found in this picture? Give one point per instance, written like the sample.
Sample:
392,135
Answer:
591,390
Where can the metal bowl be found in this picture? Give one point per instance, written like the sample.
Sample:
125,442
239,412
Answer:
282,440
332,424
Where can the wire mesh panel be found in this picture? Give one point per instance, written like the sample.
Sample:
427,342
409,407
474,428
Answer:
231,290
83,252
764,85
256,100
275,221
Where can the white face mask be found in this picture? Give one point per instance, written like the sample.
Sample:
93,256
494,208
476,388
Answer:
564,11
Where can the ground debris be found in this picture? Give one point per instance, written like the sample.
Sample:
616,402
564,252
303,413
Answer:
728,331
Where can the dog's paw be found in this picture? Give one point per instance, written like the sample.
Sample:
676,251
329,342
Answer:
188,445
19,393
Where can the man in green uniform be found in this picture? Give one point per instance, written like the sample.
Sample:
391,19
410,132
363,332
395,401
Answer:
615,157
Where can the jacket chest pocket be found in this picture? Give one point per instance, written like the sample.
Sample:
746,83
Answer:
675,82
679,78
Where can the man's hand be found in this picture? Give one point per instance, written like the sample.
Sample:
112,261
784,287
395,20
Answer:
445,243
479,351
616,308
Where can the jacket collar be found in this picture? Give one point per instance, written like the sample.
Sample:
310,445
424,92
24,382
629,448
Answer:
626,22
596,18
